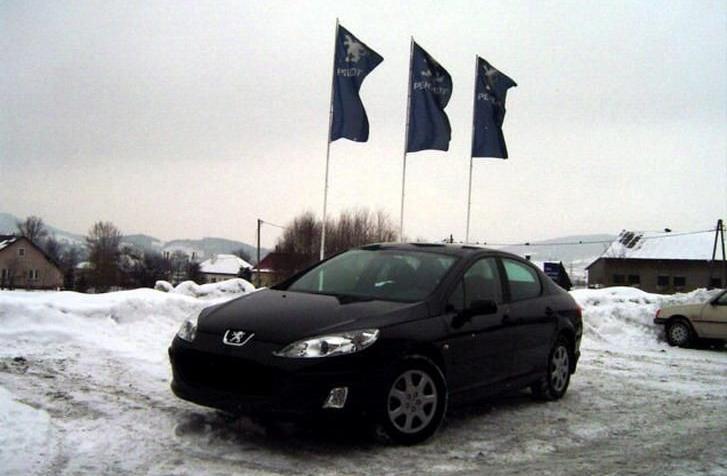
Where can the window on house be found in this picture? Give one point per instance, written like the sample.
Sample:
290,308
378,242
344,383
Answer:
4,274
715,283
33,274
21,251
634,280
619,279
662,281
680,281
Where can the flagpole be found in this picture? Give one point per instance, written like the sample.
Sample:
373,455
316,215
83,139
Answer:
406,140
472,141
328,145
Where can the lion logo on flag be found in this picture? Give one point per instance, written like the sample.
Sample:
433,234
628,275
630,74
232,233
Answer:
354,50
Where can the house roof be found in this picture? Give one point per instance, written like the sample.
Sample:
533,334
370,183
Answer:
7,240
657,245
223,264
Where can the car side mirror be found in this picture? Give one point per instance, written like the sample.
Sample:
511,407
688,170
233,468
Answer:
483,307
477,308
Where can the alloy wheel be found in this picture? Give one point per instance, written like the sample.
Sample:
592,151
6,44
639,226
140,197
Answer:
412,401
679,333
560,368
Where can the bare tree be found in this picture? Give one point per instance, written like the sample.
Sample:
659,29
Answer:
53,249
241,253
103,242
33,229
300,244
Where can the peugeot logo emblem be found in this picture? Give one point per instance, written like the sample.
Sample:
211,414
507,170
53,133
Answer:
237,338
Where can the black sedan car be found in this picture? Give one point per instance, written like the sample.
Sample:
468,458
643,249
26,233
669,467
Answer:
396,332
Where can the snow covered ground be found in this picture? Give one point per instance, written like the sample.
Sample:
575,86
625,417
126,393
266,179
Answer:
84,389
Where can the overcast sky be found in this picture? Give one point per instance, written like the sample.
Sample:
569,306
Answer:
190,119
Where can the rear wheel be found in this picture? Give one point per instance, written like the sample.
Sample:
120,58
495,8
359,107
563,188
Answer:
414,401
555,383
679,333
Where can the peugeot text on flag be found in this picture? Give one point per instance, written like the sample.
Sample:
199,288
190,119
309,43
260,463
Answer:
353,62
429,91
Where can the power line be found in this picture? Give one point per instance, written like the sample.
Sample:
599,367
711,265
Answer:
589,242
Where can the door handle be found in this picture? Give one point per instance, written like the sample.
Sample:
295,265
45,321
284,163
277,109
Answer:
549,312
506,319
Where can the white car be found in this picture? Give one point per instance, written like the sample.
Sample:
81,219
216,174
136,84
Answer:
689,322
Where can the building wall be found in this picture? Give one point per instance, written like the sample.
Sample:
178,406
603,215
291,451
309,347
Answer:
27,267
217,277
657,276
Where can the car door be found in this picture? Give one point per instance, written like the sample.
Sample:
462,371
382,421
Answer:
480,345
530,315
712,321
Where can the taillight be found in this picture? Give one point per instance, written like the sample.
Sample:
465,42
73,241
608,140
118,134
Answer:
579,312
658,312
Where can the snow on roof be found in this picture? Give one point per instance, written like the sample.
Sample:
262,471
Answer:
6,240
223,264
657,245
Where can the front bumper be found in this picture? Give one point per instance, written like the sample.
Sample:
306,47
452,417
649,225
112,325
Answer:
254,382
660,320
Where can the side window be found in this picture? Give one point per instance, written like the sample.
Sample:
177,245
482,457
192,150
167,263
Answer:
523,280
480,282
456,299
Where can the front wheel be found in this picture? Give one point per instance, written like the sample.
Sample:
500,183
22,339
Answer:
678,333
414,401
555,383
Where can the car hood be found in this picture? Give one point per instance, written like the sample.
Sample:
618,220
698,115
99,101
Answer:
282,317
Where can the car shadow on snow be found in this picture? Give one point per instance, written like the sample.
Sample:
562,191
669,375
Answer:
331,436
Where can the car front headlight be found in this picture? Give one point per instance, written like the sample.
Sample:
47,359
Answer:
188,330
328,345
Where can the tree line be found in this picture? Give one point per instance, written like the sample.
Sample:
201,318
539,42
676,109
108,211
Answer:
111,264
299,245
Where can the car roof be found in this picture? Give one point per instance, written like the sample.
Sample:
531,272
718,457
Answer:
443,248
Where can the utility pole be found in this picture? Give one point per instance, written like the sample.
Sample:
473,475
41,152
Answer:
718,233
257,275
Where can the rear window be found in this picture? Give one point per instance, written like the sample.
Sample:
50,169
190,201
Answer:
522,279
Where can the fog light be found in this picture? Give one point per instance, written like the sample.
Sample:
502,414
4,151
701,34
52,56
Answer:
336,398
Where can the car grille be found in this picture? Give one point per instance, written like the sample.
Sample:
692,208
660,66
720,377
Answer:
224,373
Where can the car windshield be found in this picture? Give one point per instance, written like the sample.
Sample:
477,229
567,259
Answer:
390,275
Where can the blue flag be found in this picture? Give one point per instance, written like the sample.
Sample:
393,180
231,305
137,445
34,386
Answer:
490,93
429,90
353,61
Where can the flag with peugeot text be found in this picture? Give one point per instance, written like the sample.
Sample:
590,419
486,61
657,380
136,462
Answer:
429,90
490,92
353,61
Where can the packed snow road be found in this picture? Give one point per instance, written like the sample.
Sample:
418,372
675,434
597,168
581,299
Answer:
84,389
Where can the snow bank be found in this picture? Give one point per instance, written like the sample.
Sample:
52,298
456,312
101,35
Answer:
28,448
230,287
624,316
138,324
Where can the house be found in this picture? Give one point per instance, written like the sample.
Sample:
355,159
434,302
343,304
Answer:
659,262
25,265
222,267
272,269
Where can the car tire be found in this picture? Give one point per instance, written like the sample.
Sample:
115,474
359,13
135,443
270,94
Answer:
554,384
679,333
413,401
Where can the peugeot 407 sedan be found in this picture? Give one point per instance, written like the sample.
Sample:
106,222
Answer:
396,332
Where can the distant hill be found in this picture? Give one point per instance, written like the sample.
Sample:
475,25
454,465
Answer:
203,249
8,225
